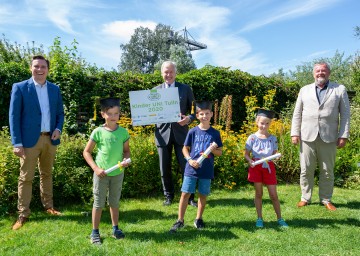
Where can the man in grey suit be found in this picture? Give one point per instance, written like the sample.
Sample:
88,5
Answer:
36,118
172,135
320,123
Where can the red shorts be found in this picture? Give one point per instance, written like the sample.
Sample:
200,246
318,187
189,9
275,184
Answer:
260,174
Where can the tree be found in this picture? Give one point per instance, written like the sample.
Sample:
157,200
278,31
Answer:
138,53
147,48
10,52
340,70
357,31
180,56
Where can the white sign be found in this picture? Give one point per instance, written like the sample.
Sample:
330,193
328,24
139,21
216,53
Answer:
155,106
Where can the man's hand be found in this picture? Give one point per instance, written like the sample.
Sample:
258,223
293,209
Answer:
19,151
55,135
341,142
184,120
295,140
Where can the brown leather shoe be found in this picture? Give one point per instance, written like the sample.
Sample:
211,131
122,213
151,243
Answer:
19,223
302,203
330,206
52,211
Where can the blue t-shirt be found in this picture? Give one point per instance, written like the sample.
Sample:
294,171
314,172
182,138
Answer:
199,140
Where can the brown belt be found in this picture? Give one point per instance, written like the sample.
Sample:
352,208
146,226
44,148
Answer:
44,133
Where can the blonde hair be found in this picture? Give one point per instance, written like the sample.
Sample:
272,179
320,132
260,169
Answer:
266,118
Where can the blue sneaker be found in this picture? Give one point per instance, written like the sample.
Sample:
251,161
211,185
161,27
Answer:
118,234
199,224
95,239
259,223
178,224
282,223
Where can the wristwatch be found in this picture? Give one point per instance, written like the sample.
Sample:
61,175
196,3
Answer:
188,158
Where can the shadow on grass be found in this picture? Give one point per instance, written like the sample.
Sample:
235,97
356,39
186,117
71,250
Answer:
351,205
235,202
185,234
131,216
140,215
322,223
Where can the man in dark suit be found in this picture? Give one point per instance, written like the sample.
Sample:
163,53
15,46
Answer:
172,135
36,118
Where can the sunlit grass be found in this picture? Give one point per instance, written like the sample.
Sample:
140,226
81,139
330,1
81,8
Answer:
229,216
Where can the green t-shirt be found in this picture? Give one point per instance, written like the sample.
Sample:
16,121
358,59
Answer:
110,147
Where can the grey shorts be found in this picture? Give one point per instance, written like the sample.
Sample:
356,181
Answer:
110,187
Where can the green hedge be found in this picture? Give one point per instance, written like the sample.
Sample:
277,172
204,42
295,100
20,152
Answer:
81,85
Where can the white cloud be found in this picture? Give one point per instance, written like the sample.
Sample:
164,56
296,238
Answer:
121,31
289,11
61,12
318,54
196,15
3,14
210,24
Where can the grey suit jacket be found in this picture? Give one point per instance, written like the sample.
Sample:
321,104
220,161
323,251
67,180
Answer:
163,131
330,119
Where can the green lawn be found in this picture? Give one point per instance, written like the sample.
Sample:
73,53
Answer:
229,216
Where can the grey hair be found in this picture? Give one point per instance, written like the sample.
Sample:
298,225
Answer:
168,62
322,64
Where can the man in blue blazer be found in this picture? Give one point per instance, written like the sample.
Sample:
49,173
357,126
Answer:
172,135
36,118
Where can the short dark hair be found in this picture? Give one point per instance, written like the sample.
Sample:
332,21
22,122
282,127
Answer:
40,57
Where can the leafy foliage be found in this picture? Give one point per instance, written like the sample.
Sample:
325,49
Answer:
180,56
340,70
10,73
10,52
147,49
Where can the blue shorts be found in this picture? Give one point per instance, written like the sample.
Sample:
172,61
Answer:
189,185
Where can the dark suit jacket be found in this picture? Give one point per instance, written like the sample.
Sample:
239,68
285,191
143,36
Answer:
163,131
25,113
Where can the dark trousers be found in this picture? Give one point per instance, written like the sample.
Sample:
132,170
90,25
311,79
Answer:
165,157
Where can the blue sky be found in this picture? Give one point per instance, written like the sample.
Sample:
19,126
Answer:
258,37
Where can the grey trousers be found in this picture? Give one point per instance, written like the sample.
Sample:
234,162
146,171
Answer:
317,154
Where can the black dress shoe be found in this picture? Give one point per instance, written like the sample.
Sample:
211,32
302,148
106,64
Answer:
167,202
193,203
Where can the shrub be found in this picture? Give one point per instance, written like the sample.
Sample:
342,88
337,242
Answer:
9,171
230,168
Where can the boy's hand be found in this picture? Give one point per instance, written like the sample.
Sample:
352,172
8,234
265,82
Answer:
194,164
100,172
213,147
125,162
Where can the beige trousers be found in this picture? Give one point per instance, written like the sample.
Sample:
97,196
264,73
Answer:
43,156
322,155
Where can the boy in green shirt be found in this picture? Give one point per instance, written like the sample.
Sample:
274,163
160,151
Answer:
112,142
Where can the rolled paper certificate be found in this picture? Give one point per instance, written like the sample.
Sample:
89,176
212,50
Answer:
205,154
265,159
118,165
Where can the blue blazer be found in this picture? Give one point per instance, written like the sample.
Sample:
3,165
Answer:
25,113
